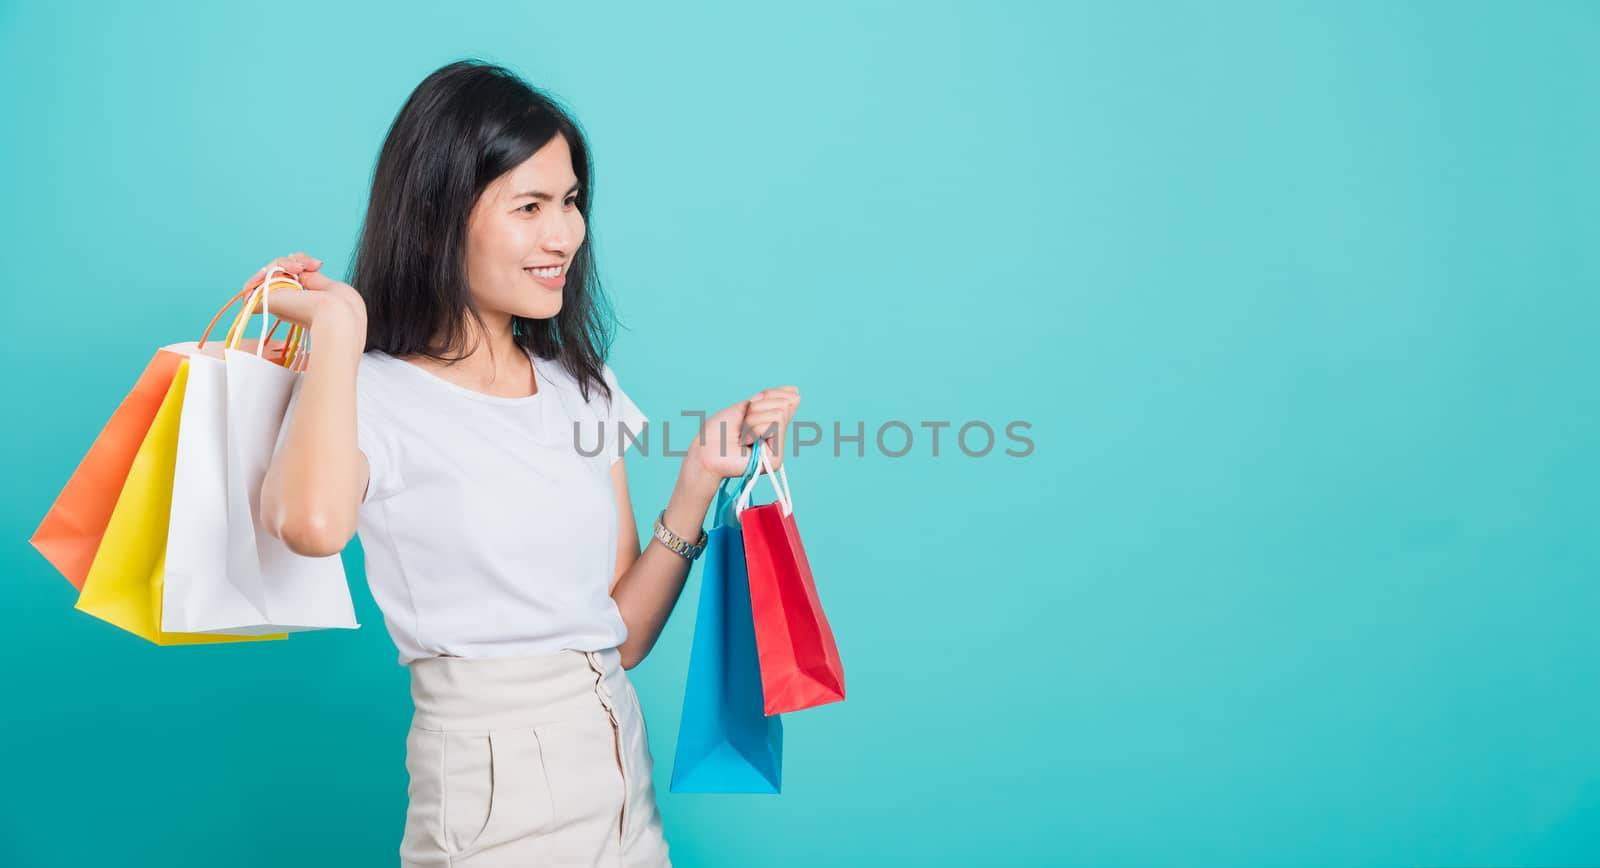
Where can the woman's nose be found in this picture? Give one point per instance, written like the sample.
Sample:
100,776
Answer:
558,244
562,238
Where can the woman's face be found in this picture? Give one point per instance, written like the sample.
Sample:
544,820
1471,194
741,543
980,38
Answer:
526,219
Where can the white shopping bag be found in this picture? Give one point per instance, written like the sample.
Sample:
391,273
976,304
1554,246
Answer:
233,576
196,597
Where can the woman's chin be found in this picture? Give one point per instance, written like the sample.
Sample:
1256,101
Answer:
547,310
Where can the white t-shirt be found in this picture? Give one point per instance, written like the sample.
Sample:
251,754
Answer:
487,530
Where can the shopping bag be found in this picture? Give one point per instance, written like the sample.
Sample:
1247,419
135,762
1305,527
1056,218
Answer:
726,743
198,597
800,665
123,586
265,587
71,531
197,534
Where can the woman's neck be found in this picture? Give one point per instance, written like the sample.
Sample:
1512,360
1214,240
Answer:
494,363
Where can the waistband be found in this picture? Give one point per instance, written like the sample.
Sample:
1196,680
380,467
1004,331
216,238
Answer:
484,693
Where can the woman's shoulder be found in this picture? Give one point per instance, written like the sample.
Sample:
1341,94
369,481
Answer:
375,363
379,378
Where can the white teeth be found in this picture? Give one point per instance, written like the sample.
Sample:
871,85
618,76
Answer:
546,273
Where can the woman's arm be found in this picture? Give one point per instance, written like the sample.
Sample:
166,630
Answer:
647,585
311,495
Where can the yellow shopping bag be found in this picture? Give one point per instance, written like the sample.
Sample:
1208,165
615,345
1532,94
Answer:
125,580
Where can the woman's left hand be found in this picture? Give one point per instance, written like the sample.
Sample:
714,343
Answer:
764,416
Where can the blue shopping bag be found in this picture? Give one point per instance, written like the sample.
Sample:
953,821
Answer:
726,742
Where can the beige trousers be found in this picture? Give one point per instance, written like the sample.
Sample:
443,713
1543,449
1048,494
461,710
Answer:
529,761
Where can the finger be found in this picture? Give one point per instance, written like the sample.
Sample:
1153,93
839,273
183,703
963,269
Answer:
764,417
781,408
286,274
782,393
295,263
294,276
789,393
770,405
287,263
315,280
277,288
765,426
751,430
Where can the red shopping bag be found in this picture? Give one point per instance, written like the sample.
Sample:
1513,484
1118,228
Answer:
800,665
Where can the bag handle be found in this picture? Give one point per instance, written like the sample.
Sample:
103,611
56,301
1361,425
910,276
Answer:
720,514
297,335
206,336
263,291
294,346
302,352
780,482
297,353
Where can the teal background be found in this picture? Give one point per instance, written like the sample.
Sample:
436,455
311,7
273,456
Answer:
1298,299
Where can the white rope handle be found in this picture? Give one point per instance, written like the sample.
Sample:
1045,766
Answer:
261,293
780,483
249,310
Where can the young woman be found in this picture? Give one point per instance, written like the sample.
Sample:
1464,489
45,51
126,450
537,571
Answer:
455,396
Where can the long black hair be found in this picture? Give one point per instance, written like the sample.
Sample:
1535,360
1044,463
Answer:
465,125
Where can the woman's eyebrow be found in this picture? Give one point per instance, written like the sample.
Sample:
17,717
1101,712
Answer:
542,196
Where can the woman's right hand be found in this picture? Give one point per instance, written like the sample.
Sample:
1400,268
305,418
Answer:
723,448
323,297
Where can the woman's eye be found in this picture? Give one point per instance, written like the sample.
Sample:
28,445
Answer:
533,206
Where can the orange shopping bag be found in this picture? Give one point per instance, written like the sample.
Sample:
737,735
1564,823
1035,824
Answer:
71,531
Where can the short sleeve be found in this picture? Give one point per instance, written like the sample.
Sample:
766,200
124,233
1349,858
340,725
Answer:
375,439
625,422
384,477
381,474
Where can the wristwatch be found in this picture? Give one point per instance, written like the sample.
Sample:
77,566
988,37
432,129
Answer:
677,543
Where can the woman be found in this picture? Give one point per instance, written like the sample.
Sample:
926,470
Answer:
450,415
